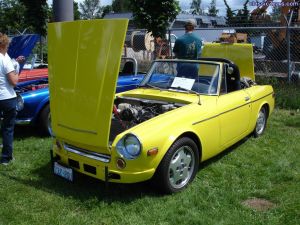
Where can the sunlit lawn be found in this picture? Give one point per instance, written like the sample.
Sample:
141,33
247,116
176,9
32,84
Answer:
267,169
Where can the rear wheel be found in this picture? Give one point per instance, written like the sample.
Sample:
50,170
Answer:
178,167
261,122
45,121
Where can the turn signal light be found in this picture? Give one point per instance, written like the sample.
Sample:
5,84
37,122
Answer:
152,151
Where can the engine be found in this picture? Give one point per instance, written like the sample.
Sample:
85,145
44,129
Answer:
129,112
140,113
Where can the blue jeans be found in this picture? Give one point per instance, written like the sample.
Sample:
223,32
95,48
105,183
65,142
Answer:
8,109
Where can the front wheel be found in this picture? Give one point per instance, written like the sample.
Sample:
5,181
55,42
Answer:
261,122
178,167
45,121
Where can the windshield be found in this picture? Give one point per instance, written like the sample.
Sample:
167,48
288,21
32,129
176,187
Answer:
198,77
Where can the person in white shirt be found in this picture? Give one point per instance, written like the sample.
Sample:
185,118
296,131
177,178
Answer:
8,100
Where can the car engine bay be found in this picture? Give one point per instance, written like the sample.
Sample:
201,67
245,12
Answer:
129,112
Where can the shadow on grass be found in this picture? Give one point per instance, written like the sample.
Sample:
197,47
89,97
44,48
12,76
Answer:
224,153
85,188
26,131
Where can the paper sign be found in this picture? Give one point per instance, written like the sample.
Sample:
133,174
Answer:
182,82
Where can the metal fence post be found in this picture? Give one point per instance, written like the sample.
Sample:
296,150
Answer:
170,43
289,52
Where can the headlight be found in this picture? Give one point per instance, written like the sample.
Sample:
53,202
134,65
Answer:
20,103
129,146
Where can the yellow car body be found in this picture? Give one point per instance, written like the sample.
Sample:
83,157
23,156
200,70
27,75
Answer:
82,81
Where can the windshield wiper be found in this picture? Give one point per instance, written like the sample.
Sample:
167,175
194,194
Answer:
152,86
187,90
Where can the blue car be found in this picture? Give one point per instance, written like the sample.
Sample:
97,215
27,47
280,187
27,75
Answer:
34,107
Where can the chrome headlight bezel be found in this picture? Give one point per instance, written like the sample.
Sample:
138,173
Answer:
20,103
129,146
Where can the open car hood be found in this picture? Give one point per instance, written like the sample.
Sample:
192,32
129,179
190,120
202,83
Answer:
22,45
84,60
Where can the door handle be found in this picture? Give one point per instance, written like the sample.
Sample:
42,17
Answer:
247,98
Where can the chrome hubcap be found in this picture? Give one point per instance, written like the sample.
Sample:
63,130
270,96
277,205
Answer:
181,167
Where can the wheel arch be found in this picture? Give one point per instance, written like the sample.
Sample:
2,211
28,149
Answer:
42,106
189,134
195,138
267,107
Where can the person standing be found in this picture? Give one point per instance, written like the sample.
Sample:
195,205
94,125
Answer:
189,45
8,99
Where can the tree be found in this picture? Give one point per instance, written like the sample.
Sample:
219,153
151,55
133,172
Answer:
121,6
76,11
155,16
275,14
91,9
245,14
212,10
106,9
36,15
229,14
12,17
196,7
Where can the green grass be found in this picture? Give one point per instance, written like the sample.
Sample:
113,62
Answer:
267,168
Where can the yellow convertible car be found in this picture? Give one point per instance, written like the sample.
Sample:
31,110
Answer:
184,111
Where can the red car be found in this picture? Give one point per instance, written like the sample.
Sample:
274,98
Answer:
33,74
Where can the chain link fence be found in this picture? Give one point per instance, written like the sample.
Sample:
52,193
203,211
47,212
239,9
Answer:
276,50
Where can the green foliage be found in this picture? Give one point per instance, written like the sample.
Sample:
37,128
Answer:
229,13
119,6
196,7
36,15
212,10
155,16
241,17
287,96
12,17
266,168
275,14
106,9
90,9
76,11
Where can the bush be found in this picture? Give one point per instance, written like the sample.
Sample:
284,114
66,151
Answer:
287,94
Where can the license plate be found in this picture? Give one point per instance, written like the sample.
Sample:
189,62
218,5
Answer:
63,172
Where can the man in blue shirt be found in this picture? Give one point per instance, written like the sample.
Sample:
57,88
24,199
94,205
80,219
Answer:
189,45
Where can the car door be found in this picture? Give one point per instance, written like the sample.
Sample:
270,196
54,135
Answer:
234,109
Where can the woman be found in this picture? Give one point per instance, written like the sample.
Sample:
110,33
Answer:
8,100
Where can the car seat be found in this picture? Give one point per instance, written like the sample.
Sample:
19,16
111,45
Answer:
128,68
187,70
233,79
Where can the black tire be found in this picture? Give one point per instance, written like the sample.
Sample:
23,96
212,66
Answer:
178,167
45,121
261,122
